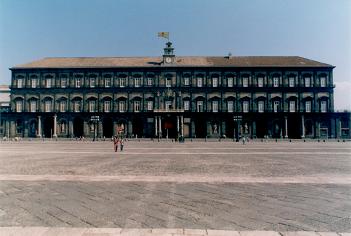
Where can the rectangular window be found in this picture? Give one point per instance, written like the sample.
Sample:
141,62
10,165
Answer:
33,83
308,106
186,105
199,82
63,82
275,82
168,82
230,107
149,81
19,106
214,82
122,106
214,106
19,83
122,82
63,106
291,82
92,106
245,82
107,82
78,82
33,106
260,82
323,106
137,82
107,106
48,106
245,106
260,106
276,106
168,105
230,82
76,106
136,106
186,81
307,82
92,82
48,83
200,106
150,105
292,106
323,81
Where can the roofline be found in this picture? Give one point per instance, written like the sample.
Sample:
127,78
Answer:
176,66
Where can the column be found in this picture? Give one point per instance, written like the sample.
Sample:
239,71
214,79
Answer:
286,127
181,126
253,129
7,129
303,126
332,128
338,128
130,128
70,129
39,127
159,127
99,129
55,124
193,133
155,123
178,125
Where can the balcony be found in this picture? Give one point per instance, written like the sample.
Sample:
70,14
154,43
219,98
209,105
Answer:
168,110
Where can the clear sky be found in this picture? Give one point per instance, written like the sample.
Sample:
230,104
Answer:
316,29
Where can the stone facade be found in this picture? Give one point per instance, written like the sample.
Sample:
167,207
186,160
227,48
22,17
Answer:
172,99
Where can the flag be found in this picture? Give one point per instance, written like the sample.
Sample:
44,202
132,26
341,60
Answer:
163,35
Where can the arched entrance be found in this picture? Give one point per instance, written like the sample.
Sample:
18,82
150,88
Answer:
276,129
78,127
261,128
169,127
107,127
138,127
229,128
32,129
294,127
200,128
48,127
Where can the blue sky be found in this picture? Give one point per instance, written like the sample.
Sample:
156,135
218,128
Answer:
316,29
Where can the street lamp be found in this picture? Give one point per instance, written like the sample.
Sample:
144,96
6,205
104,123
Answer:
95,120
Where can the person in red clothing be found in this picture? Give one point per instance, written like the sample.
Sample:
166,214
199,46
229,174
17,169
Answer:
115,143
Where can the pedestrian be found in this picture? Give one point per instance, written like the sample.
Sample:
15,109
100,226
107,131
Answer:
244,139
122,144
115,143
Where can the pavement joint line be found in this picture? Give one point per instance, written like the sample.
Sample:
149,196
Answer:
53,231
183,153
342,179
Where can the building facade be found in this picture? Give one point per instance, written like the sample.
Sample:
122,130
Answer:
171,96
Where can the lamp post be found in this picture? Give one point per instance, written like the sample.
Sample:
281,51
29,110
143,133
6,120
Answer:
95,120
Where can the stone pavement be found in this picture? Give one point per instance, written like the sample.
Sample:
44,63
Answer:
58,231
78,188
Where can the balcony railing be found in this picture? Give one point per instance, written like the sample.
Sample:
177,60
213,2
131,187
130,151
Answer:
168,110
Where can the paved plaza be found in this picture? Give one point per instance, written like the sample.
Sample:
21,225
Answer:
166,188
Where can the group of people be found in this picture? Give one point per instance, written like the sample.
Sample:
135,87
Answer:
118,141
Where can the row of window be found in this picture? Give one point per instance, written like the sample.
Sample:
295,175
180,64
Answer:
137,82
137,107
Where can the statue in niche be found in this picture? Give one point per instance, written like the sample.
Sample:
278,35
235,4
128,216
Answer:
215,128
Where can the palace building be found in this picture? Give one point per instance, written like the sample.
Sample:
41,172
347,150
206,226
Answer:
173,96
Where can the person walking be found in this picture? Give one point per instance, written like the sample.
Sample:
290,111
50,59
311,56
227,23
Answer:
122,144
115,143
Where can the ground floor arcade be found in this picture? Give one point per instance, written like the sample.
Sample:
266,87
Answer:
174,125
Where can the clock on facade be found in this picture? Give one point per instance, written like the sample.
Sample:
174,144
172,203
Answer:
168,60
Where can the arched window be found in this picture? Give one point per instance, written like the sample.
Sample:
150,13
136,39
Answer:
48,105
48,81
19,105
33,105
33,81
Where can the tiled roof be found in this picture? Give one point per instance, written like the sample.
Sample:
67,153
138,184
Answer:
115,62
